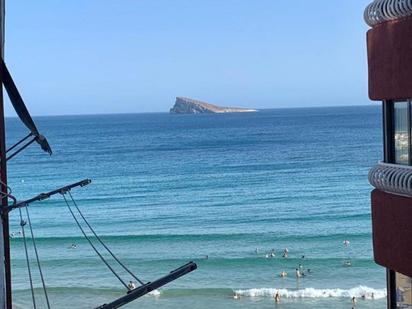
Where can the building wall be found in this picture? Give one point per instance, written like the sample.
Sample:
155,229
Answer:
392,231
390,80
390,60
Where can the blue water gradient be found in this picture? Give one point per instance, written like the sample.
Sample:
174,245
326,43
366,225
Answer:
172,188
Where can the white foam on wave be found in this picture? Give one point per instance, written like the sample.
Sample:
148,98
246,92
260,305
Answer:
155,293
358,292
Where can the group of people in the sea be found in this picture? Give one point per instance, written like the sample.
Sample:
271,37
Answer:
272,253
12,235
301,272
364,296
276,296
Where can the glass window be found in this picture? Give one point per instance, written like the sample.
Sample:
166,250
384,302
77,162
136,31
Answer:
401,138
403,291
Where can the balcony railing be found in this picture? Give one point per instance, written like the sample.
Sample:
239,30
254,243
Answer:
392,178
380,11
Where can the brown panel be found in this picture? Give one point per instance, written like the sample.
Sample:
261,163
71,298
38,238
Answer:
390,60
392,231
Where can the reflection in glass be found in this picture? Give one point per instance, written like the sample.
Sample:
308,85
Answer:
401,133
403,291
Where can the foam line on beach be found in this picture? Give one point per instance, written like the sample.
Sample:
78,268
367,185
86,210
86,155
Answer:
358,292
312,293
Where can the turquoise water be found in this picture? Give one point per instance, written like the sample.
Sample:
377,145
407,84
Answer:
168,189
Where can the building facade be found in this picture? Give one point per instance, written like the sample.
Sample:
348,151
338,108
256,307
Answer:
389,44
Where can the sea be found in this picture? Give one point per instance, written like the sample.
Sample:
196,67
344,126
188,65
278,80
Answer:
223,190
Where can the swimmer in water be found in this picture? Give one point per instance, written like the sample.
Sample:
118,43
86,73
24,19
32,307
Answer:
283,274
277,297
272,253
347,263
285,253
354,300
236,295
298,274
73,246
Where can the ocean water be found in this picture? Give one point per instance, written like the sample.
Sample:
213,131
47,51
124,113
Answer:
167,189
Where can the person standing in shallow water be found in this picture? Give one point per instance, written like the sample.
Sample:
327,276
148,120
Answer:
277,297
353,302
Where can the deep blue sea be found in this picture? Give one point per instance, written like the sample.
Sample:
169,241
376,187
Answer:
223,190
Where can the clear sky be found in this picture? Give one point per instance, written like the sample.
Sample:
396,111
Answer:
112,56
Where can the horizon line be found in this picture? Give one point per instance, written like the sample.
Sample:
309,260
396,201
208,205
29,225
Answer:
167,112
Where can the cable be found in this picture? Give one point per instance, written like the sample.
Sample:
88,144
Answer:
7,194
19,142
22,224
21,149
91,244
37,257
102,243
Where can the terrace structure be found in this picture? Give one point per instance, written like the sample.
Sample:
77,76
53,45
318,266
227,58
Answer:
389,44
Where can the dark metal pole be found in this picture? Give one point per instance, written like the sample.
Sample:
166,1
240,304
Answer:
43,196
150,286
5,272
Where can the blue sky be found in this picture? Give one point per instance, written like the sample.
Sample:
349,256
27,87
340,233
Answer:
101,56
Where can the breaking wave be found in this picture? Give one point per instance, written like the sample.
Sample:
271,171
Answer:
358,292
154,293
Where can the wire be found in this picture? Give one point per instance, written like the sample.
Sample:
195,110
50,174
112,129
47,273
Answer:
21,149
102,243
37,258
7,194
91,244
22,224
19,142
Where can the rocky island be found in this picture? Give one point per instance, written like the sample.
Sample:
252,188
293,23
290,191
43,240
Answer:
190,106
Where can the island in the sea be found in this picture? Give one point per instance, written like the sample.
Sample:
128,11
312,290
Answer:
190,106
